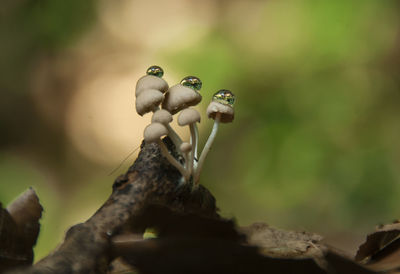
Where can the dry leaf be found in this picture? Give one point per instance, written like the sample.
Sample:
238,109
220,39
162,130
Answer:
381,251
378,240
26,212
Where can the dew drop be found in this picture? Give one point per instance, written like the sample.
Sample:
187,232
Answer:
225,97
192,82
155,71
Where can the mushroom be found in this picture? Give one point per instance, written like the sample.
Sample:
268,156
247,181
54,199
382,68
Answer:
220,113
161,116
152,134
149,95
221,110
150,90
182,95
186,147
189,117
164,117
148,101
152,80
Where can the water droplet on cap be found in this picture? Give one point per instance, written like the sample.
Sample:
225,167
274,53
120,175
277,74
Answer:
192,82
155,71
224,96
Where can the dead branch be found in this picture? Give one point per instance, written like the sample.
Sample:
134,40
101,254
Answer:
150,181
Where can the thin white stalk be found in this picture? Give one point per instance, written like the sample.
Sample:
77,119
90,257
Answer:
174,137
196,135
186,157
206,148
194,141
172,160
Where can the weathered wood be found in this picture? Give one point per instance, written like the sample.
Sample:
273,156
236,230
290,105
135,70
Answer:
150,181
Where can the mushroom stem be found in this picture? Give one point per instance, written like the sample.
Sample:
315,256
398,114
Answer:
196,135
172,160
194,141
174,137
187,163
206,148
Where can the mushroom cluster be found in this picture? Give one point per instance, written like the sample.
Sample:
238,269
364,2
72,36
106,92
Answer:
152,92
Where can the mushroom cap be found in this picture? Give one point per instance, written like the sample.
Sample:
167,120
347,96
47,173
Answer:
179,97
150,82
148,100
154,131
161,116
188,116
227,112
185,147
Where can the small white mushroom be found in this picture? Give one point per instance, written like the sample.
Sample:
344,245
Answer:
149,95
164,117
161,116
152,134
226,112
180,97
150,82
146,98
189,117
148,101
221,110
186,147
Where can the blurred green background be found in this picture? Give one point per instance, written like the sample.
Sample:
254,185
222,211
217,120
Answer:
315,142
